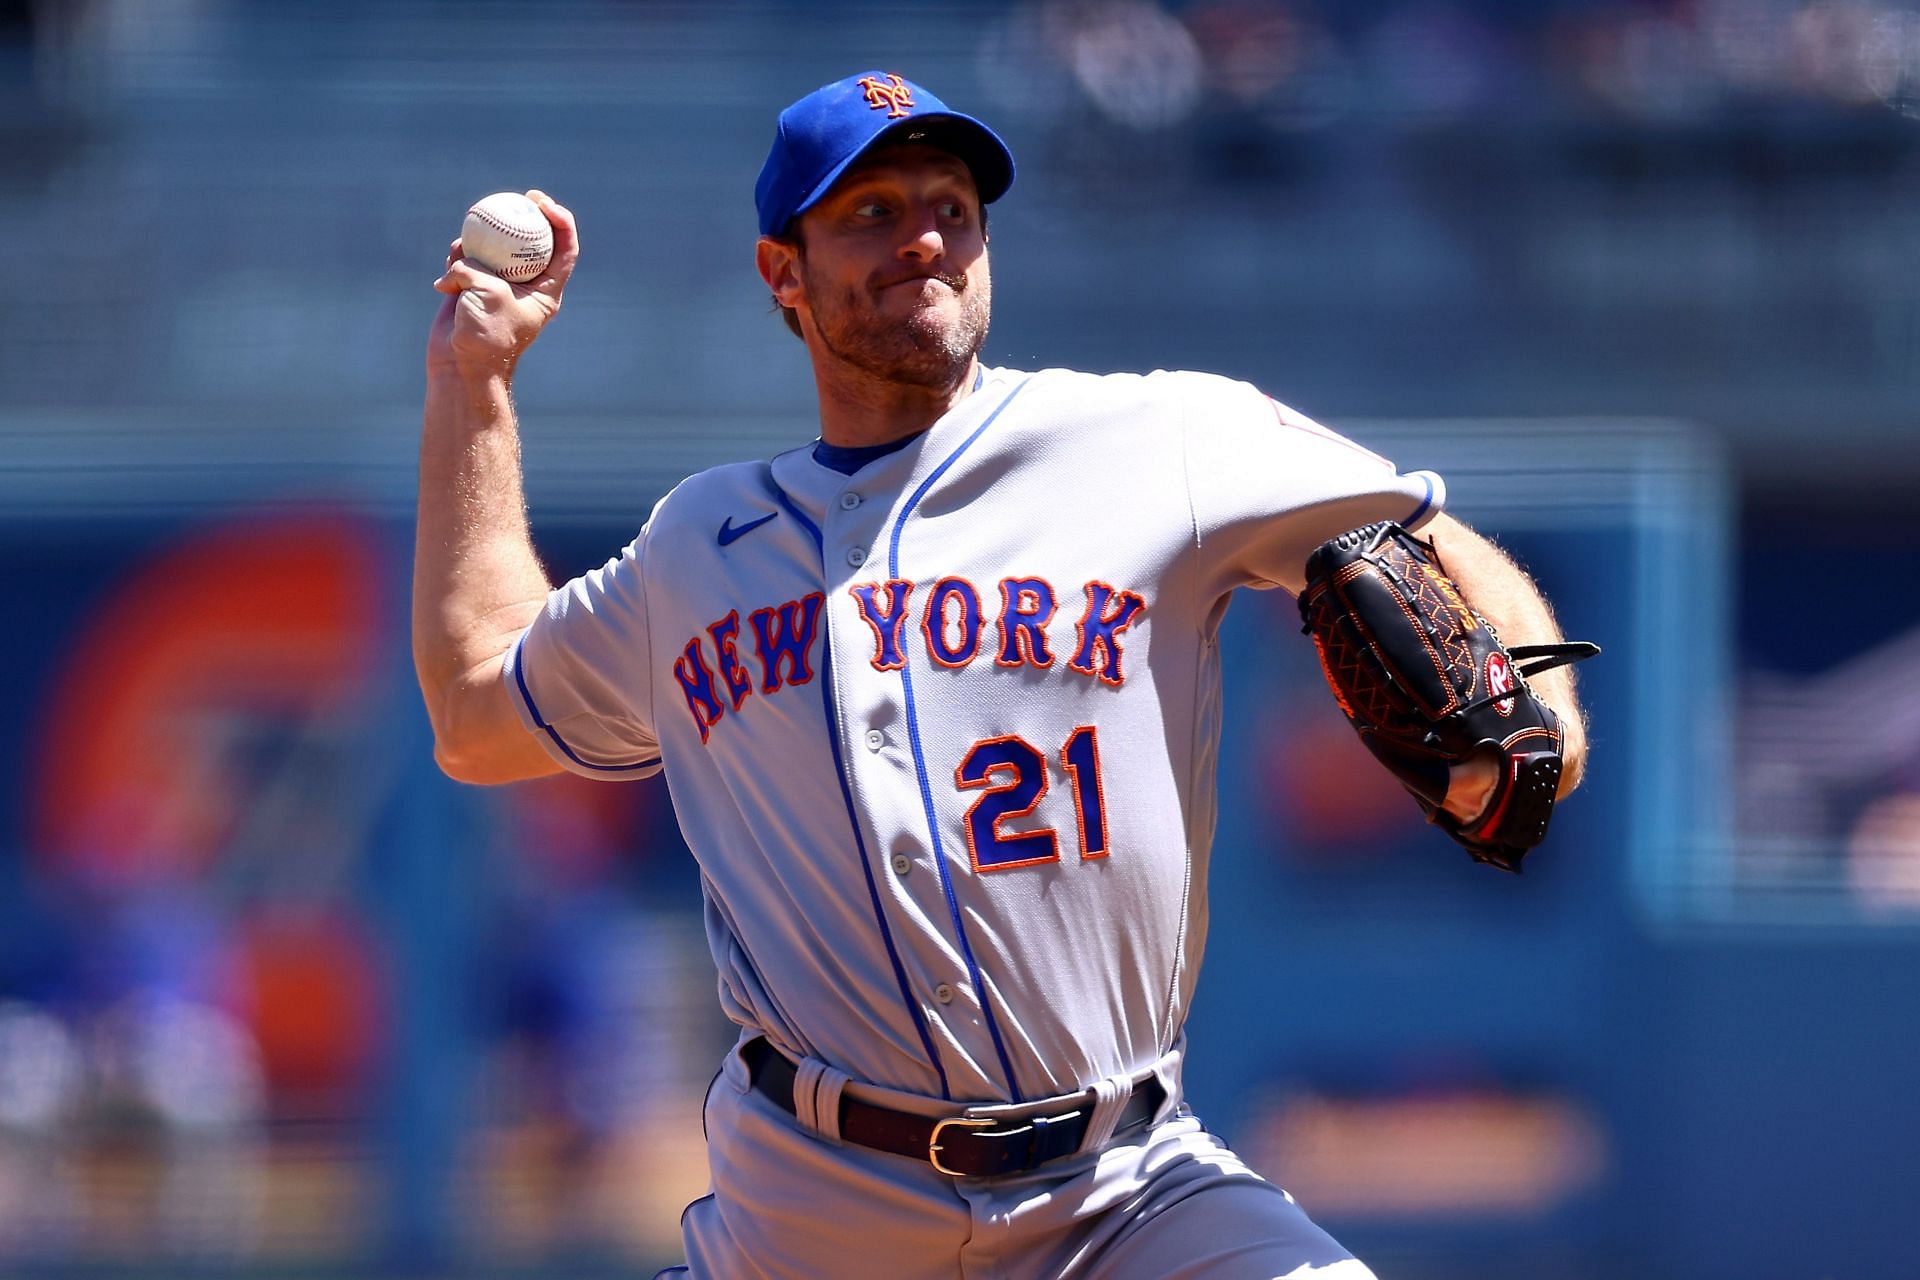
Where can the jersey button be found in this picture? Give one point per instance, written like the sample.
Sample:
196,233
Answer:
848,501
856,556
875,739
902,864
943,993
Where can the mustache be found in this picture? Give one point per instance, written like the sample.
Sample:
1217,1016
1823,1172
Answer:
952,280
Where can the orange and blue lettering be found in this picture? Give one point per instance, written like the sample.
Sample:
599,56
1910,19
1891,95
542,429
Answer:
1109,612
788,641
732,674
696,683
1026,606
935,623
888,623
1012,778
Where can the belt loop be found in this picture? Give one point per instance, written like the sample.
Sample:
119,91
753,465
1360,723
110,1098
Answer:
816,1096
1110,1097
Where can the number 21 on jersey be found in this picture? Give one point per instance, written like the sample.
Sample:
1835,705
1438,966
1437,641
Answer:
1011,775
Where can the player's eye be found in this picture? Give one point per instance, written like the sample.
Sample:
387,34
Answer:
870,209
954,209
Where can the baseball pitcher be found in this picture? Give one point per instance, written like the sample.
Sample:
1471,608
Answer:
945,757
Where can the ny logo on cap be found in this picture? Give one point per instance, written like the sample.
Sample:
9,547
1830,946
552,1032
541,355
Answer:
893,93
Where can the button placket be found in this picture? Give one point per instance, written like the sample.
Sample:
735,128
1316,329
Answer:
854,540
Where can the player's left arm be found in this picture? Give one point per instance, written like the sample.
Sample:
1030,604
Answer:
1505,596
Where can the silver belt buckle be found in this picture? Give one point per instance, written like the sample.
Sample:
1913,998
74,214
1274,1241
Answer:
933,1139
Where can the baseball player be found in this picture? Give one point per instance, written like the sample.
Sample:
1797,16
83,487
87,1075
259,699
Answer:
937,697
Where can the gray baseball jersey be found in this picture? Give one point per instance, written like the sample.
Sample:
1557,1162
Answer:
941,733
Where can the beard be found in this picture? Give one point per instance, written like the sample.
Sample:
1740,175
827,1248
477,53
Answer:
930,347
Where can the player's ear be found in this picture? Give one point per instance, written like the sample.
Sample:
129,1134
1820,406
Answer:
779,264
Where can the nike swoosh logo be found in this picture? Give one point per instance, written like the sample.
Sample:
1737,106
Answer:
729,534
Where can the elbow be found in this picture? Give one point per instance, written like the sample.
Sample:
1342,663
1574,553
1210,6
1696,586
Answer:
462,747
449,753
478,737
483,761
459,765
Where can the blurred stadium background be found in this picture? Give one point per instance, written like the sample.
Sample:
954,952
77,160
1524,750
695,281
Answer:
1640,278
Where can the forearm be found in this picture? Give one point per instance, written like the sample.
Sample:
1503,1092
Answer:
1508,598
476,581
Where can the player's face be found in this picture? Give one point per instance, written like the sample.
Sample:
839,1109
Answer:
891,269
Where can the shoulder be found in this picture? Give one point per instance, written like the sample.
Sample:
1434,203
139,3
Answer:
1155,401
1160,388
709,497
1159,385
1211,392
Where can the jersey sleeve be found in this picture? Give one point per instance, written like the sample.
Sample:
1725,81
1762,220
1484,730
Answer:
581,675
1269,484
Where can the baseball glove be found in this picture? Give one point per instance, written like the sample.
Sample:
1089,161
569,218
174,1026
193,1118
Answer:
1428,685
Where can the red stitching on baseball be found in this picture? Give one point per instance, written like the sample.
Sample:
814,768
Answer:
497,225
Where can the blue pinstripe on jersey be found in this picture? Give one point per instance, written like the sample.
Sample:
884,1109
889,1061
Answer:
520,679
1425,502
853,816
920,759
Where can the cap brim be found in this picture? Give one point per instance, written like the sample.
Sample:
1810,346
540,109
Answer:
978,147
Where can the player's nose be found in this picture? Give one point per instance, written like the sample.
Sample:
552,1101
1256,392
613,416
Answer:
923,241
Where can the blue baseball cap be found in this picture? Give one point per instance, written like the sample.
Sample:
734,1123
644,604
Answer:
826,131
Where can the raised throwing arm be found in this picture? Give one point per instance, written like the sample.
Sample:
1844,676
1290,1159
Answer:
476,581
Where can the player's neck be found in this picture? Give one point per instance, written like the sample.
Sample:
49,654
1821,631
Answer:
858,409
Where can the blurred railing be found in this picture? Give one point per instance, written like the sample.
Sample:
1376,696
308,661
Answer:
1650,210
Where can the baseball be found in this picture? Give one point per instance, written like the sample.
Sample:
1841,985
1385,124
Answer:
508,235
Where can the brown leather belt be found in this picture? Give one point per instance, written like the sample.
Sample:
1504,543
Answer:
964,1146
